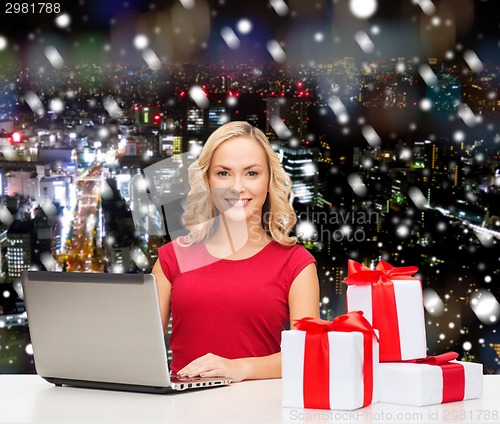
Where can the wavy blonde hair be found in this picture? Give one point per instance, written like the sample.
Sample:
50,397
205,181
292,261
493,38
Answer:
278,216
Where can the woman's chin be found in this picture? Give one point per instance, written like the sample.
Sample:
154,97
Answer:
236,214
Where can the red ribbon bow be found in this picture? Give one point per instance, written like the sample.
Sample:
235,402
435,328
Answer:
384,272
317,356
384,318
453,374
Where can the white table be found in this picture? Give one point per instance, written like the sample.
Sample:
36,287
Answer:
30,399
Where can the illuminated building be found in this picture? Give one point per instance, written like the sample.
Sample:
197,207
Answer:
496,348
194,135
23,183
55,188
62,157
148,116
195,122
118,230
300,165
20,248
170,145
399,188
217,116
292,111
3,247
3,182
338,276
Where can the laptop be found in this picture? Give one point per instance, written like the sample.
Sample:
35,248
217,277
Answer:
100,331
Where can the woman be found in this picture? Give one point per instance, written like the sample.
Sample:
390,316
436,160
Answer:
235,280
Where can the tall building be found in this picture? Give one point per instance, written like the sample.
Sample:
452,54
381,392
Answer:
20,248
300,165
292,111
195,130
55,188
217,116
23,183
195,122
399,187
3,247
170,145
338,276
118,230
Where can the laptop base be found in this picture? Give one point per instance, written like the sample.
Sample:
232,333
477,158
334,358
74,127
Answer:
175,387
101,385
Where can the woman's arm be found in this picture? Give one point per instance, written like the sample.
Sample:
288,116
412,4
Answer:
303,301
164,288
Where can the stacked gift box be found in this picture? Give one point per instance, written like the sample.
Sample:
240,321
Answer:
364,356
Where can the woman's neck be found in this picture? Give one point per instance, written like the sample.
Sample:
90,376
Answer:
234,235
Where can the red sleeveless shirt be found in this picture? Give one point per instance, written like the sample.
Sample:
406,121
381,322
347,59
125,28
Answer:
231,308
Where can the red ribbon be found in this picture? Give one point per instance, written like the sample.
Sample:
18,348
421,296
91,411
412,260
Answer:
383,294
453,375
317,356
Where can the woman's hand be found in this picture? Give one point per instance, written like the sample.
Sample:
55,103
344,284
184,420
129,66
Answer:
211,365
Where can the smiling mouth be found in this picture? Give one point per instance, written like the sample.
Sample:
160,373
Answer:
237,202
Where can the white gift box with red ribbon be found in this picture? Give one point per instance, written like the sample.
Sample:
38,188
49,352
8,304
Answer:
330,365
429,384
392,301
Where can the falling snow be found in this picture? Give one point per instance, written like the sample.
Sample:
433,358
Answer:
244,26
365,42
3,43
473,61
63,21
371,136
363,9
280,7
230,37
198,95
54,57
427,74
276,51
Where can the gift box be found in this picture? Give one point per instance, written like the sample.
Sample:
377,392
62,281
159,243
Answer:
392,301
330,365
429,381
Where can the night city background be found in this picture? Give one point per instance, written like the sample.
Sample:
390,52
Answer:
385,115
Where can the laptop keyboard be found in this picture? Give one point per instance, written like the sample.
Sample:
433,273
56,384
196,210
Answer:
174,378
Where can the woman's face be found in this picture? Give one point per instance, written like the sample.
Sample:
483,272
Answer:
238,177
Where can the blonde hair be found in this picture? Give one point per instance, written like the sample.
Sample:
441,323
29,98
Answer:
278,216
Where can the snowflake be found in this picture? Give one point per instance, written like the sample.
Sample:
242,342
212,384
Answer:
63,21
199,96
57,105
244,26
363,9
473,61
364,42
276,51
357,184
141,41
371,136
403,231
279,6
230,37
3,43
306,230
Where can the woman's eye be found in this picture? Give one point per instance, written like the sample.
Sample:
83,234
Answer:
253,174
222,173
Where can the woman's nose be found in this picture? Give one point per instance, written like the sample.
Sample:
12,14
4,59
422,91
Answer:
237,185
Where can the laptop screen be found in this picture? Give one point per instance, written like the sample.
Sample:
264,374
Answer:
96,327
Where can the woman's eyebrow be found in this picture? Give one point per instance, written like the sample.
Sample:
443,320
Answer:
227,168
